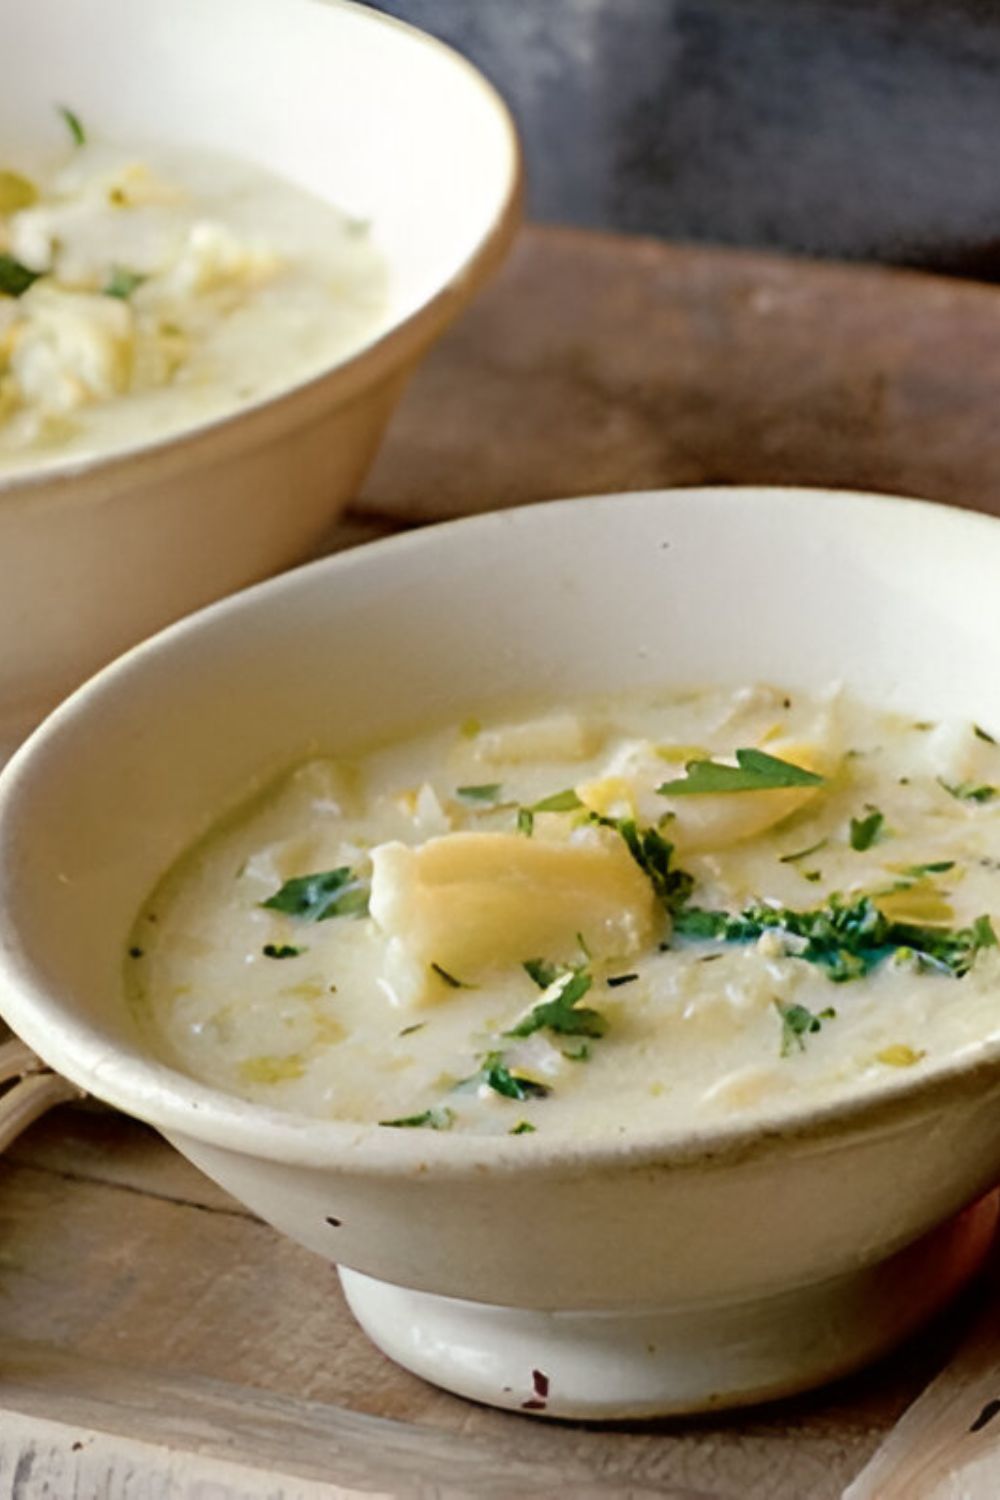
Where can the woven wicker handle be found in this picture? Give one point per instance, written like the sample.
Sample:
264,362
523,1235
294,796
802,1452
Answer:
27,1089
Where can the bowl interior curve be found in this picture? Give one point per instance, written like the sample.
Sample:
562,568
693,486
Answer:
897,598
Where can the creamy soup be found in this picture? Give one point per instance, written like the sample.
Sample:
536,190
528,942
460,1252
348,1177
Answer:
659,912
146,290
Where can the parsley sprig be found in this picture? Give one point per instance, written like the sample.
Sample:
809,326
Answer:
755,771
798,1022
316,897
561,1011
845,939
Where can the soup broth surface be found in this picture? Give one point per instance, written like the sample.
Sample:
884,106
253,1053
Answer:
146,290
657,912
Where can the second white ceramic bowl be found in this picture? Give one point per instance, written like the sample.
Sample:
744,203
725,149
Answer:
646,1273
383,121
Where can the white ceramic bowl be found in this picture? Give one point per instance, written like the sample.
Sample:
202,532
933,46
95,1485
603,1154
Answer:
648,1273
364,111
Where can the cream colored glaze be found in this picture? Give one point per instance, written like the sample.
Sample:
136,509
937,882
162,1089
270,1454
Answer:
343,1029
248,285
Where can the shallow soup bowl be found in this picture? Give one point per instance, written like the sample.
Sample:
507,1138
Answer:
100,547
644,1272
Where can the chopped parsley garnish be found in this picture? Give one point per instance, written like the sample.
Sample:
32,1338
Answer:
578,1053
15,278
523,1127
541,972
969,791
489,791
409,1030
791,859
122,283
653,854
561,1013
983,734
282,950
450,980
328,893
847,941
935,867
73,125
497,1076
797,1022
867,830
525,821
614,980
441,1118
755,771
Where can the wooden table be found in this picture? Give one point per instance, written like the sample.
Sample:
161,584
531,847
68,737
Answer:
155,1339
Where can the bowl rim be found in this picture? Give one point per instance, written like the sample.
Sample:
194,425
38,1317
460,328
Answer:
173,1102
344,378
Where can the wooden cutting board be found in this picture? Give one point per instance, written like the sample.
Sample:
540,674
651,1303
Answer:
158,1341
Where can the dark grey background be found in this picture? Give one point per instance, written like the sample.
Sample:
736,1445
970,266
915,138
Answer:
863,129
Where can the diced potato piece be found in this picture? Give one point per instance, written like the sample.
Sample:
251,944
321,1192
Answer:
716,820
472,902
558,737
71,348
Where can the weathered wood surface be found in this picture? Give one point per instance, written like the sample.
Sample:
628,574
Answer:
138,1302
156,1341
598,362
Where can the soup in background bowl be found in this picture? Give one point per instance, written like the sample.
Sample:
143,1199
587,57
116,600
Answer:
698,1251
122,509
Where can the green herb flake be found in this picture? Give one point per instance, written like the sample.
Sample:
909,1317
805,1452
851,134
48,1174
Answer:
566,801
793,858
410,1030
845,940
440,1118
578,1053
561,1013
654,856
525,821
327,893
614,980
15,278
470,728
282,950
541,972
969,791
497,1076
866,831
798,1022
122,283
814,876
489,791
755,771
983,734
450,980
934,867
73,125
523,1127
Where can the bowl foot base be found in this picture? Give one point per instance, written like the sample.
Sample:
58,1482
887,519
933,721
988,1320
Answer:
606,1365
